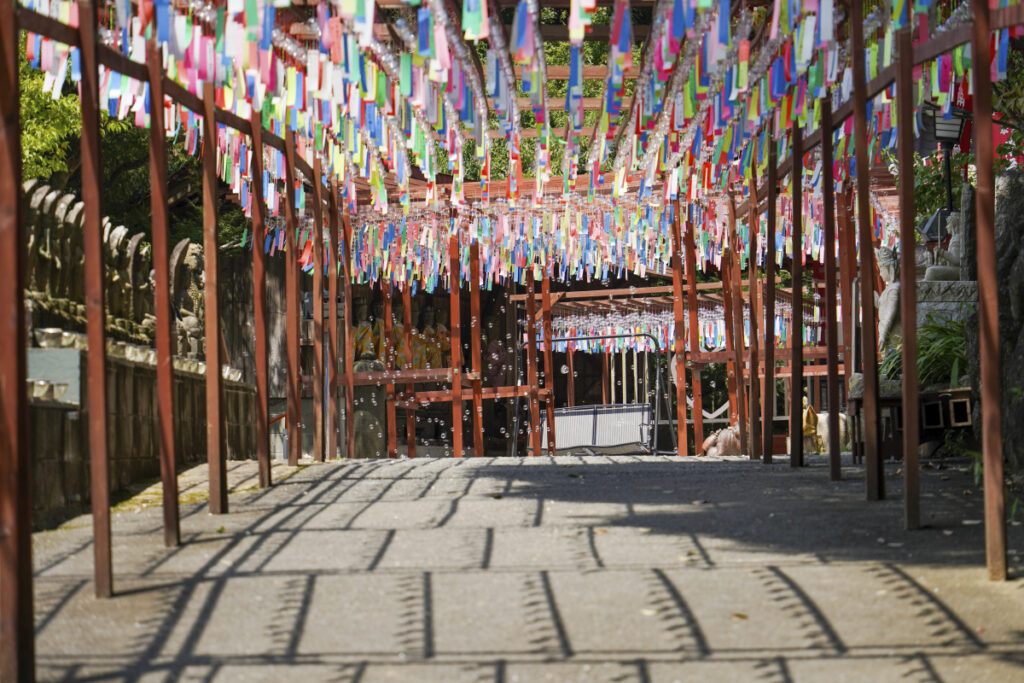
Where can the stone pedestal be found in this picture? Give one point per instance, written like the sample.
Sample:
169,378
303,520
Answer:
950,299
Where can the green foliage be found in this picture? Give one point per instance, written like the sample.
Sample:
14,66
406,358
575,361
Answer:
51,151
941,353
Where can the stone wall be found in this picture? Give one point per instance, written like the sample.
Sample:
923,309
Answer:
1009,235
59,446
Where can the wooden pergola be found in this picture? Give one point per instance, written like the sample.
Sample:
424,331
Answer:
753,368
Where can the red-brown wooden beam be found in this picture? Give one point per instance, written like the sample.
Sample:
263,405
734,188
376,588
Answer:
549,367
605,379
346,326
847,274
531,363
831,327
259,305
680,329
455,314
988,302
908,283
476,353
768,409
216,455
570,385
732,369
755,311
318,312
95,311
690,254
292,307
160,223
410,410
17,633
796,177
333,228
874,472
736,293
388,353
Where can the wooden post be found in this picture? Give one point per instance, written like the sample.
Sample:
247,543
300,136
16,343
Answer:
796,433
549,367
728,307
17,636
410,388
831,327
476,353
908,283
755,311
988,308
531,362
768,411
293,306
875,473
388,353
570,385
215,443
333,219
95,310
346,326
690,254
318,311
259,306
456,331
162,295
847,273
736,290
680,329
605,380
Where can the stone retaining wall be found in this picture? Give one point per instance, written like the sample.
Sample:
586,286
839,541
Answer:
59,446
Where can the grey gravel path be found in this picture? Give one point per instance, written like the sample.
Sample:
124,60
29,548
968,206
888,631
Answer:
603,569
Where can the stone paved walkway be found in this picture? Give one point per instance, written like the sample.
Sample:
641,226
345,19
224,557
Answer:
604,569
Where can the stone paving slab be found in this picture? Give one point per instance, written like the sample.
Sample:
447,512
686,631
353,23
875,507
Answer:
536,569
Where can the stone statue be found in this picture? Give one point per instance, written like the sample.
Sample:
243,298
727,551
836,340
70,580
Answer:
362,336
947,261
369,411
889,331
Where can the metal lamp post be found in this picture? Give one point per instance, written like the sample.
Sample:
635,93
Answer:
947,130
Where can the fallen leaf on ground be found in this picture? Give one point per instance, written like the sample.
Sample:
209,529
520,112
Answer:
740,616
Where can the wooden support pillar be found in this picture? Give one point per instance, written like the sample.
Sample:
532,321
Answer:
680,329
796,435
690,255
988,302
216,454
908,283
456,331
410,409
874,472
605,379
162,295
318,311
768,411
17,635
755,312
736,322
570,385
95,311
333,269
831,327
549,366
531,362
259,307
476,353
728,306
292,306
847,273
346,326
388,353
